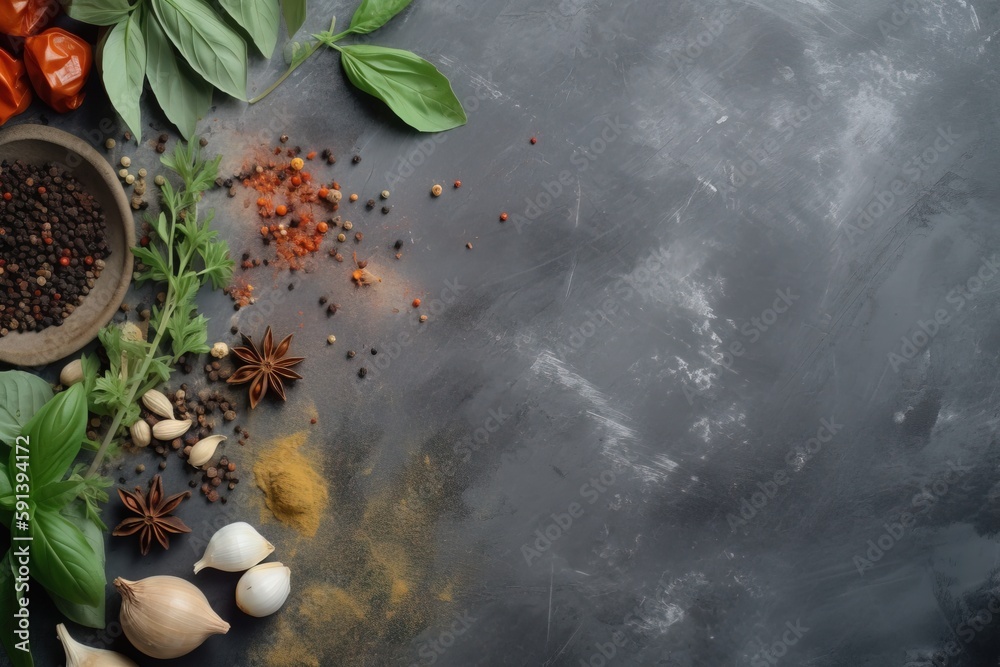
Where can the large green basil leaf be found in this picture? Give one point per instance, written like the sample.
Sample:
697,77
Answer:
412,87
63,561
123,70
295,14
183,95
211,48
259,18
373,14
7,499
57,495
54,436
98,12
9,604
21,396
88,615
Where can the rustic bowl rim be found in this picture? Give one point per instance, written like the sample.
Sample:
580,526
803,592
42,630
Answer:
67,345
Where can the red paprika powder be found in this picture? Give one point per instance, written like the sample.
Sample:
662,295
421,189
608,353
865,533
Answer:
58,64
15,92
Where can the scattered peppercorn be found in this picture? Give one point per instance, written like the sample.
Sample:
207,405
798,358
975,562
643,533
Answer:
386,209
423,318
332,309
458,184
283,138
469,246
436,190
297,164
533,140
398,244
356,159
203,142
362,372
353,197
359,237
370,204
331,339
341,237
126,161
416,303
350,354
503,217
384,194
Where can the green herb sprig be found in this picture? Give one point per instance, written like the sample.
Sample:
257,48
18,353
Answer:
186,49
185,254
412,87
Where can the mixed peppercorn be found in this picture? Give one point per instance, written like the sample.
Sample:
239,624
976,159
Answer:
52,246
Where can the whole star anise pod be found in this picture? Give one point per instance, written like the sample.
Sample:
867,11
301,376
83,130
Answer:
264,370
154,515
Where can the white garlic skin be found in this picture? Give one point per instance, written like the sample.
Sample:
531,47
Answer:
234,548
203,450
141,433
168,429
157,403
262,590
81,655
166,617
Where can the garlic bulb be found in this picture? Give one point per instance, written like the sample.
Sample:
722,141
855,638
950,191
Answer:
234,548
140,433
263,589
168,429
166,617
71,373
81,655
157,403
204,450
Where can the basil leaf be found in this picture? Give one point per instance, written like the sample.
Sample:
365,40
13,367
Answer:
211,47
9,604
62,559
56,495
295,14
412,87
54,435
259,18
183,95
88,615
123,70
373,14
98,12
21,396
7,499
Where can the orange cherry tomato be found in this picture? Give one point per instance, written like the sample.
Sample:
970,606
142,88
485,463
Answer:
58,64
22,18
15,91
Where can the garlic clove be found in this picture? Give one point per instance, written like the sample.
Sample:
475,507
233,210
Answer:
166,617
203,450
263,589
234,548
81,655
141,433
158,403
168,429
71,373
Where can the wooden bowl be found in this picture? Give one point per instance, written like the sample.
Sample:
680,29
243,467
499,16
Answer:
37,145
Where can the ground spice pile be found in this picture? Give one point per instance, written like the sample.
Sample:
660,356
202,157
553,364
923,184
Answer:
294,492
52,246
292,207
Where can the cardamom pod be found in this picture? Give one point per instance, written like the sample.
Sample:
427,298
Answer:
157,403
168,429
141,433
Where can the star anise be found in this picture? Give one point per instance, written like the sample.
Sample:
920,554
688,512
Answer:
265,370
154,515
